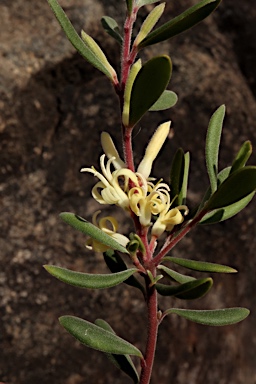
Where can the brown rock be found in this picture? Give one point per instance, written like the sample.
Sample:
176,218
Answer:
53,106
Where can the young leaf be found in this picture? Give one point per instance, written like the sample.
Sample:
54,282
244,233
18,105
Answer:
129,4
116,264
177,177
123,362
167,100
75,40
223,175
216,317
201,266
176,276
140,3
226,213
237,186
112,28
148,86
89,280
149,23
91,230
212,145
97,338
184,187
242,156
187,291
97,51
181,23
135,68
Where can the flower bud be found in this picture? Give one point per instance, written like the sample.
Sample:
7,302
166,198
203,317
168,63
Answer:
153,148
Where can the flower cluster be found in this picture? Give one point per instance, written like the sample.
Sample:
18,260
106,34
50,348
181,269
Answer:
135,191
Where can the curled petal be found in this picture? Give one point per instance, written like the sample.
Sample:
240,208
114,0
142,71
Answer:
166,221
109,225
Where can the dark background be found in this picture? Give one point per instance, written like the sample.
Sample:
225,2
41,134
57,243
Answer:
53,106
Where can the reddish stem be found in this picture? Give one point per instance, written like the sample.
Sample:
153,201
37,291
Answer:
127,61
127,148
180,236
153,324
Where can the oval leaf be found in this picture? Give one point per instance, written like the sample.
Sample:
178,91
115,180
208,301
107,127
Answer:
181,23
167,100
91,230
148,86
74,38
216,317
175,275
123,362
236,187
212,145
97,338
112,28
201,266
89,280
188,291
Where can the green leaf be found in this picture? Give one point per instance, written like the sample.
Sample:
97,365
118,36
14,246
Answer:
184,188
89,280
116,264
91,230
216,317
123,362
237,186
212,145
74,38
201,266
148,86
242,156
223,175
177,177
129,4
167,100
226,213
181,23
187,291
180,278
140,3
112,28
149,23
97,338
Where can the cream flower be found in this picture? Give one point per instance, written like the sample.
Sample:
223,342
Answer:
111,189
148,199
168,218
153,148
135,191
108,225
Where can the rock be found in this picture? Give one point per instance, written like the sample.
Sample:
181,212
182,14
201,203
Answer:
53,106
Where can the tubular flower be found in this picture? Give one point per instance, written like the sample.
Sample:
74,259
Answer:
136,191
112,187
168,218
148,199
108,225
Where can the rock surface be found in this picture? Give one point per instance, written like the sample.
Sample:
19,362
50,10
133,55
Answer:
53,106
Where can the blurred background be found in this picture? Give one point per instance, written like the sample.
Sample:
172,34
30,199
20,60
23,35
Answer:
53,106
